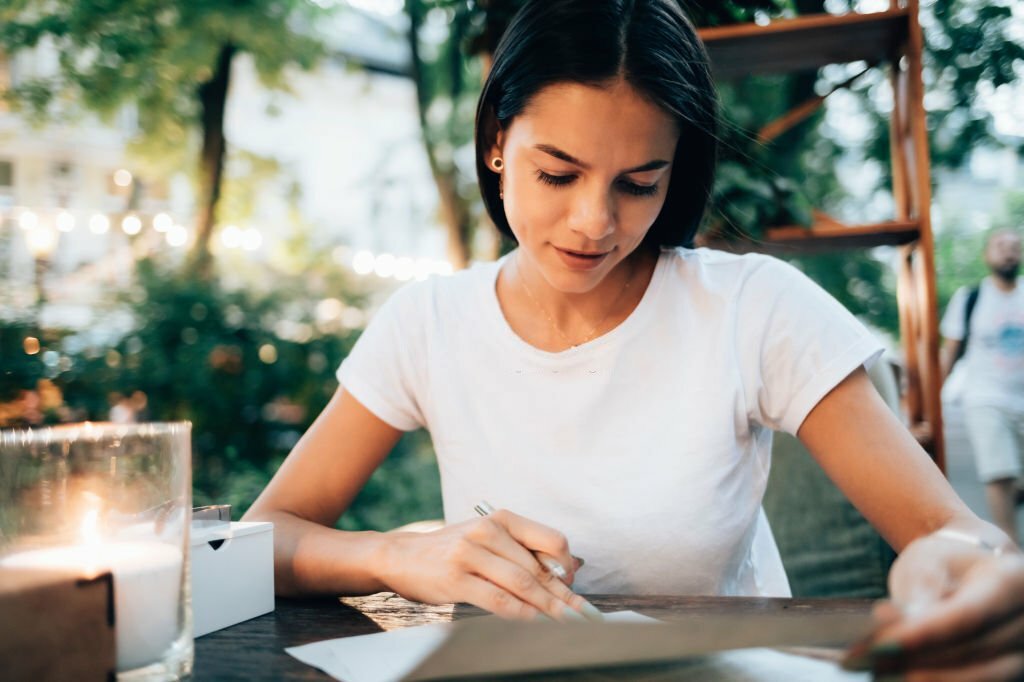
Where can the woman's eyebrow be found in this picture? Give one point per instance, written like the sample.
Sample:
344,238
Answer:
569,158
649,166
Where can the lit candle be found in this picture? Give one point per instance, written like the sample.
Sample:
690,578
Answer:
147,585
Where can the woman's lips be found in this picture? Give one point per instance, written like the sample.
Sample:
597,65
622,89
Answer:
578,260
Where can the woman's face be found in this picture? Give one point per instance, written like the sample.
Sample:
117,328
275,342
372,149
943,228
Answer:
585,174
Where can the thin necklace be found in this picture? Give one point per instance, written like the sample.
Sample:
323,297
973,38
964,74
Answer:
551,320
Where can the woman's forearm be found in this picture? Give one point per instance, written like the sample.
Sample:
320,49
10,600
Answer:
311,559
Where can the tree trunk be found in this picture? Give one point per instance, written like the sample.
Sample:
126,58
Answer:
213,95
454,211
456,217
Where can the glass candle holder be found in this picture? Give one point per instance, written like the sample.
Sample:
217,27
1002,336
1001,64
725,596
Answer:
99,497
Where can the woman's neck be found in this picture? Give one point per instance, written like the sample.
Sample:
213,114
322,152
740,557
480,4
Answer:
552,319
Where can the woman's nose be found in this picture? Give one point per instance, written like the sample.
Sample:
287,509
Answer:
594,216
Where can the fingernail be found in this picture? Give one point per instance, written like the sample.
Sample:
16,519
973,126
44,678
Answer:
858,663
886,650
590,611
862,657
858,659
579,562
555,568
572,614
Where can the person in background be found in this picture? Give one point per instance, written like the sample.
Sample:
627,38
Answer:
122,411
984,326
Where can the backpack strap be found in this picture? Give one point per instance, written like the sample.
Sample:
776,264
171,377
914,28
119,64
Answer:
972,301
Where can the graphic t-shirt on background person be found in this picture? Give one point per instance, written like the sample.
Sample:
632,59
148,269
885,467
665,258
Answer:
994,361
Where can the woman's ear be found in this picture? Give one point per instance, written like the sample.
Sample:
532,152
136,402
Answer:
495,134
497,149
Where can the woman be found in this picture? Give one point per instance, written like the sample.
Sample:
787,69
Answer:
617,389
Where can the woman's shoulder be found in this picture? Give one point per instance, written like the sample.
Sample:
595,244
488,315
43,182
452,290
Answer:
444,292
715,267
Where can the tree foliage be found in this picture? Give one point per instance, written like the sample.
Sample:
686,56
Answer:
249,369
971,51
171,62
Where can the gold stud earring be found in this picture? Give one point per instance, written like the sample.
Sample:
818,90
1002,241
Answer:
497,163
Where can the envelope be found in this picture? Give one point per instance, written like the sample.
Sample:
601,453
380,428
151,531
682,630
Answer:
488,645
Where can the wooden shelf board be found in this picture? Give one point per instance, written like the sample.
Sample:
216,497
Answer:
807,42
828,236
823,237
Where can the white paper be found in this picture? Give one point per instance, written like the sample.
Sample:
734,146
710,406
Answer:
380,657
628,617
487,644
757,665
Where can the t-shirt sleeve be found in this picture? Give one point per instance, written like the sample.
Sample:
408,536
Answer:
384,370
952,326
796,343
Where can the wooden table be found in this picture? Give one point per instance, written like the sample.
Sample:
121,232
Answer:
254,650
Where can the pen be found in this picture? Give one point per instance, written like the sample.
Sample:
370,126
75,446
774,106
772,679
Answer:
589,611
556,569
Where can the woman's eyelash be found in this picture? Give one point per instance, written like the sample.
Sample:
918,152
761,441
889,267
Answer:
556,180
626,186
639,190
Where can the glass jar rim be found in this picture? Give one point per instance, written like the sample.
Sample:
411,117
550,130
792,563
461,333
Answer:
90,431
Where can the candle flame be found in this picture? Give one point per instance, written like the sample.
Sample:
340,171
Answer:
89,531
89,536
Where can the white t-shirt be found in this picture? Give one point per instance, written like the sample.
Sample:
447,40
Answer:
648,446
994,361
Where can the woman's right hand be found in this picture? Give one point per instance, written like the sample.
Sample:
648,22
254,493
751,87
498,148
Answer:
486,562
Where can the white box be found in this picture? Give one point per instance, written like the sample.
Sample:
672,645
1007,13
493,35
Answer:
232,574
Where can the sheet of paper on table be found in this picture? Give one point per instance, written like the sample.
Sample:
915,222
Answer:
488,645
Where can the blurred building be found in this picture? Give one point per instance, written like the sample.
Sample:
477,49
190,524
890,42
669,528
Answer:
75,212
349,136
68,201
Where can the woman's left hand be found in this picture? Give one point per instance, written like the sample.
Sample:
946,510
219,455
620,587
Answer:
956,613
